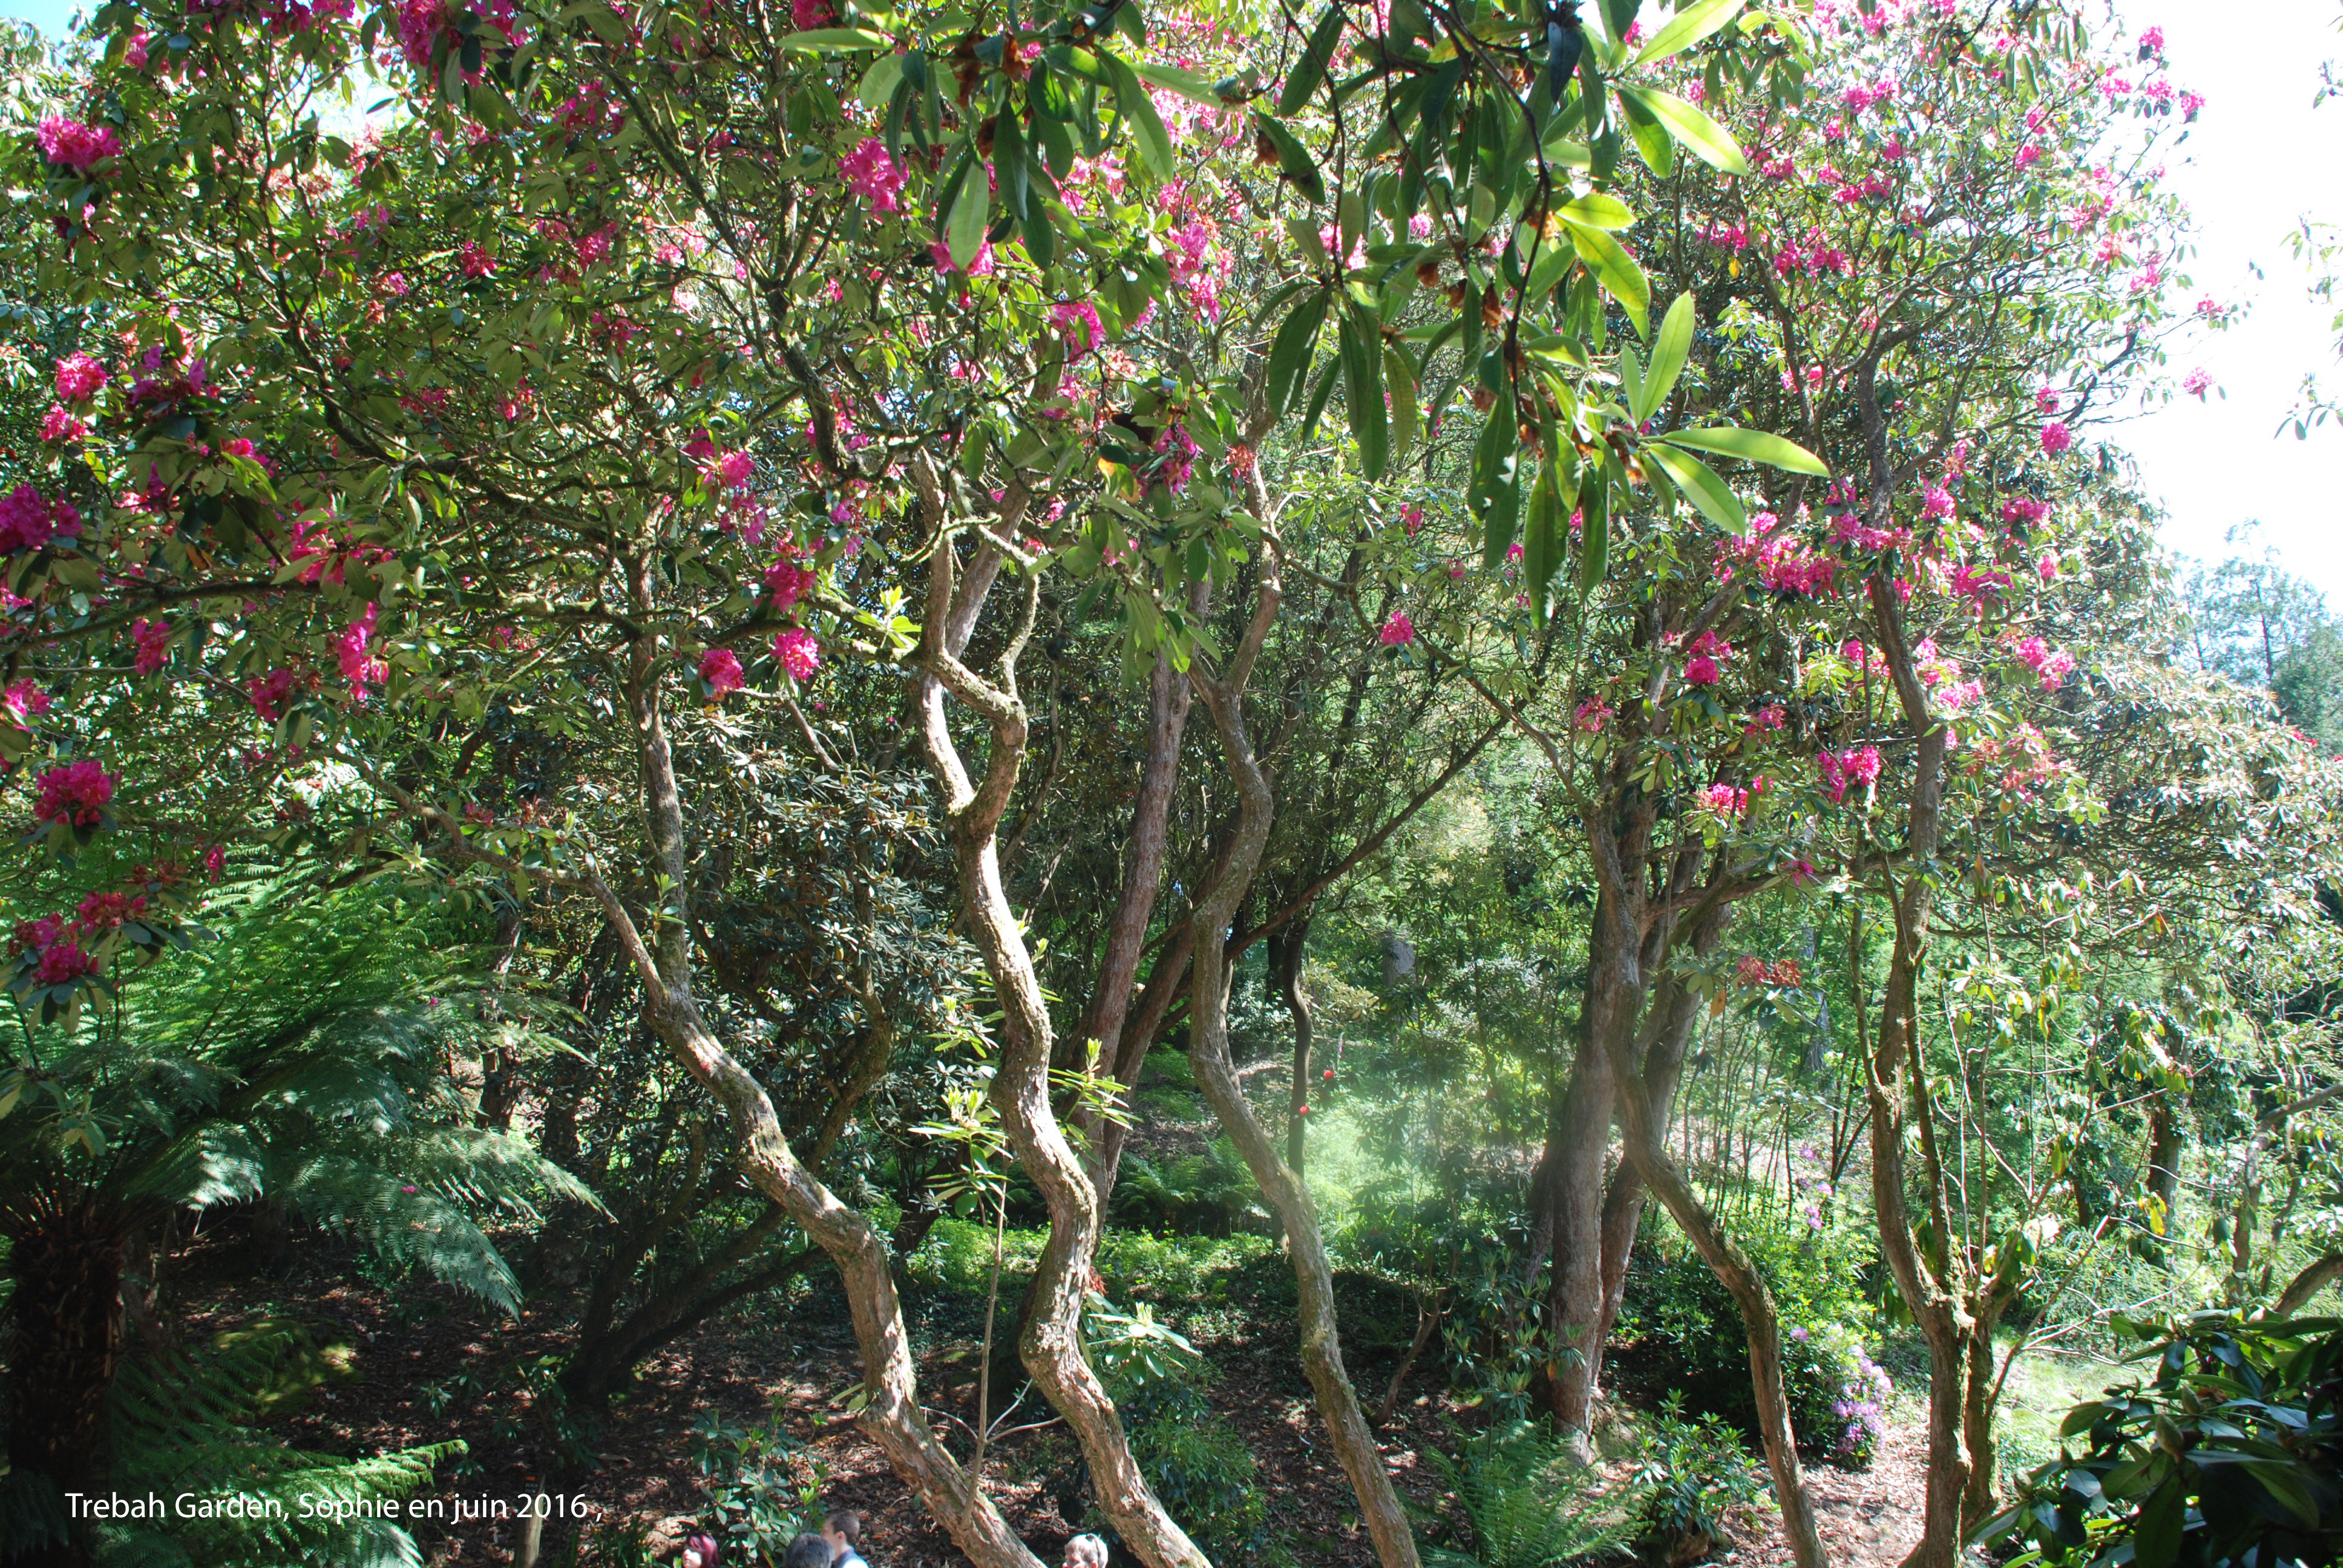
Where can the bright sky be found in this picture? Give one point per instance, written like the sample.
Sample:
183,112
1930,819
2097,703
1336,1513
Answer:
2258,160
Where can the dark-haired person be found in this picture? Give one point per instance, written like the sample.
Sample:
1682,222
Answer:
808,1550
699,1551
1086,1552
843,1531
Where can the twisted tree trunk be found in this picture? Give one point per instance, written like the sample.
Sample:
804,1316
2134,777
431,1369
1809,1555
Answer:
1050,1344
1322,1345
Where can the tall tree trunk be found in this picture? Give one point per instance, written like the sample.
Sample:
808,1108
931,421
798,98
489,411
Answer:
1578,1146
1286,947
1321,1346
1122,1052
1051,1342
66,1263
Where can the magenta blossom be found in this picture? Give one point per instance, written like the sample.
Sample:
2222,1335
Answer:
361,666
798,653
27,522
2057,438
58,425
24,700
874,175
152,641
720,668
1398,630
79,377
76,794
74,146
2196,383
1701,671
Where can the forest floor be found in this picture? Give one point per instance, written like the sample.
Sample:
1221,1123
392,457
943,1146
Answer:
413,1365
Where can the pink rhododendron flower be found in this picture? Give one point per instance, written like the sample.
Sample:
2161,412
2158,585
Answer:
2046,401
2151,42
1411,518
808,15
475,262
1593,714
2196,383
24,700
2047,567
2057,438
361,666
874,175
720,668
1936,501
152,640
1701,671
79,377
733,471
797,651
786,581
76,794
2052,665
75,146
2024,510
980,264
1078,322
270,692
58,425
1398,629
62,963
1843,770
27,522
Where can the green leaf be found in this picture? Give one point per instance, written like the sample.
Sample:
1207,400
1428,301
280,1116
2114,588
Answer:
1495,494
1668,355
1311,69
878,81
1542,539
1009,165
1653,143
1699,482
2155,1538
1553,260
1289,352
1187,84
1687,27
1594,536
1138,110
964,233
1294,160
1596,209
1690,123
836,40
1362,393
1399,376
1752,445
1617,272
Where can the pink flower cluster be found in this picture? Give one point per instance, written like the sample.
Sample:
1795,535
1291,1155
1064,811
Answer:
75,794
798,651
874,175
1398,630
1730,802
786,580
79,377
2051,665
1749,970
361,666
1978,584
2023,510
74,146
29,523
270,692
24,700
720,668
1783,562
1077,322
1843,770
1816,254
2057,438
151,641
1592,715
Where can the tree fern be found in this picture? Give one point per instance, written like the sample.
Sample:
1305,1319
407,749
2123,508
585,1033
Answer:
187,1424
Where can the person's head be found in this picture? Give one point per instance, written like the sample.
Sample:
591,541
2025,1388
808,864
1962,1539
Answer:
808,1550
1086,1552
700,1552
842,1530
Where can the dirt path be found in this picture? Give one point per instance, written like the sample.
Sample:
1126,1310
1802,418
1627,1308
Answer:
1868,1518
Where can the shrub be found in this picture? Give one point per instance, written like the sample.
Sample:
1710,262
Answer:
2231,1455
1528,1503
1210,1193
1693,1473
1194,1458
1684,1330
1186,1269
